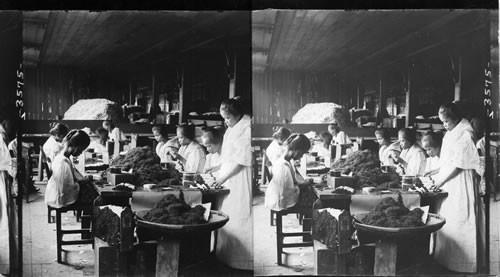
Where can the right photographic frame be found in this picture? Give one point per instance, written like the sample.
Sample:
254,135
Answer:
375,137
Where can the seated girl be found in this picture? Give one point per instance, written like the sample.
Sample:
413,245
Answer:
287,188
66,185
212,140
191,156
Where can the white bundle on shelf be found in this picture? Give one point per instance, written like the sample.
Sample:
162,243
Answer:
320,113
93,109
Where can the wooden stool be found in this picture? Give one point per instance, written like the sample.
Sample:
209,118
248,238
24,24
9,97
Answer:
85,229
280,235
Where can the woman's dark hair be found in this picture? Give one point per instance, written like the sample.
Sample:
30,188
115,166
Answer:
162,129
335,127
281,133
434,139
384,133
187,130
111,124
409,134
77,138
58,129
213,134
326,137
101,130
298,142
451,111
233,106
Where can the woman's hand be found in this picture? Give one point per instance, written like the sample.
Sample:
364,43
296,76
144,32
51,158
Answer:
432,172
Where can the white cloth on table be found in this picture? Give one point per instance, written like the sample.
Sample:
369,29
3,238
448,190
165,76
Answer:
117,135
51,148
235,239
194,155
456,240
282,193
62,189
275,151
415,158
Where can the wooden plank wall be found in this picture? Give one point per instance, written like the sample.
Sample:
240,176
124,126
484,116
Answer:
278,95
50,91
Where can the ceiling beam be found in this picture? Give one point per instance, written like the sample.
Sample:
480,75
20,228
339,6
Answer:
178,35
439,23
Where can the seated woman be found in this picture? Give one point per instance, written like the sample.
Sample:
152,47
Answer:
412,158
323,149
384,140
99,145
161,136
431,142
191,154
53,145
275,150
338,136
66,185
115,134
287,184
212,140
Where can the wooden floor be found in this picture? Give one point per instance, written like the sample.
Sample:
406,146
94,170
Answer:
300,261
40,257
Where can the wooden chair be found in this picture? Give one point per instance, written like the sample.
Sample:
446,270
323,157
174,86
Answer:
84,230
280,235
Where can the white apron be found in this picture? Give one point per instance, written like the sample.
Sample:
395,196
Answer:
235,239
8,218
456,240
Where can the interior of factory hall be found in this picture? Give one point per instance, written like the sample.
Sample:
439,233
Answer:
128,118
375,141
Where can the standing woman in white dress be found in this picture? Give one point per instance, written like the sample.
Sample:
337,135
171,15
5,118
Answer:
456,243
235,239
8,217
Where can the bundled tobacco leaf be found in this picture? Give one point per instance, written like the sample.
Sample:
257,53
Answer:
173,210
365,168
392,213
146,164
106,225
324,228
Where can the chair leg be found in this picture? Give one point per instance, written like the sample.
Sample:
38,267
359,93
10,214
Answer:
272,218
279,237
59,236
49,214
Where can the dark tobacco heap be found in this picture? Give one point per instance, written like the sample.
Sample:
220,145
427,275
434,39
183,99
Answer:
173,210
392,213
365,168
146,164
324,228
106,225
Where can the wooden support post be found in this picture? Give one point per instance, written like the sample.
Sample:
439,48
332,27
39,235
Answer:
385,258
181,95
232,81
408,95
167,258
358,103
133,141
458,81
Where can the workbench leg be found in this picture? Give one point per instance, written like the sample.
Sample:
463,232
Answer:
385,258
167,258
